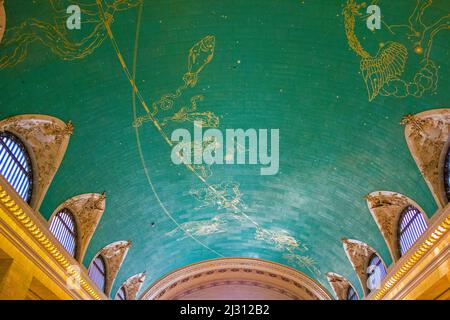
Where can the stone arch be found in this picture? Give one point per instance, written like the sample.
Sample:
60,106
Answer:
426,134
340,285
386,208
46,139
87,210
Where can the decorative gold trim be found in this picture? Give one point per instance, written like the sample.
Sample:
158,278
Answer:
427,245
87,210
46,139
386,208
16,211
426,134
2,20
340,285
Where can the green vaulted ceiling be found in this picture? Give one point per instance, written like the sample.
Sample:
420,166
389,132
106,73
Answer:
265,64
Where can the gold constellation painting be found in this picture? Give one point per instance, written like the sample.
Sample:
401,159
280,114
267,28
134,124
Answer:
225,197
55,36
199,56
385,73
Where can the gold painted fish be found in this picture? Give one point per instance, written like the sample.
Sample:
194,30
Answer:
199,56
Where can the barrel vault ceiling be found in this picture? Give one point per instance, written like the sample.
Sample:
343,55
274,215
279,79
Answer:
267,64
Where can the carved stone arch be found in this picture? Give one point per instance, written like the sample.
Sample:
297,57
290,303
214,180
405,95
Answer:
236,279
441,169
426,134
113,254
133,285
358,254
386,208
340,285
87,210
46,139
2,20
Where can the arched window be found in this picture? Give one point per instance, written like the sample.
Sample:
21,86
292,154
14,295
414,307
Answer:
447,174
64,228
351,294
376,271
121,294
411,226
15,165
97,272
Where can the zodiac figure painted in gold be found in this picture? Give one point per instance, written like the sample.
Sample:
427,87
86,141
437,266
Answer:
208,119
225,195
14,48
384,73
199,56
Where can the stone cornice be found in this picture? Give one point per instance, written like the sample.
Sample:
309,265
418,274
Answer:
425,245
36,228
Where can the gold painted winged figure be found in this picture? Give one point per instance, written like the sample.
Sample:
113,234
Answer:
53,33
385,73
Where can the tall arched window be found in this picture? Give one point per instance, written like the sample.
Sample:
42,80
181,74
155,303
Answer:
411,226
97,272
376,271
447,174
15,165
121,294
351,294
64,228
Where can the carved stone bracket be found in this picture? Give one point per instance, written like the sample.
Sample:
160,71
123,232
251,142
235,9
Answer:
340,285
87,210
114,255
426,135
386,208
358,253
46,139
2,20
133,285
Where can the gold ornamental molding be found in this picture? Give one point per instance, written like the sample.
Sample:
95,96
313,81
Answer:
15,207
46,139
2,20
427,245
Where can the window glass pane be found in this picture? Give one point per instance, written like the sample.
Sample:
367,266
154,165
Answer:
15,165
447,174
121,294
376,271
97,272
351,294
63,227
412,225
